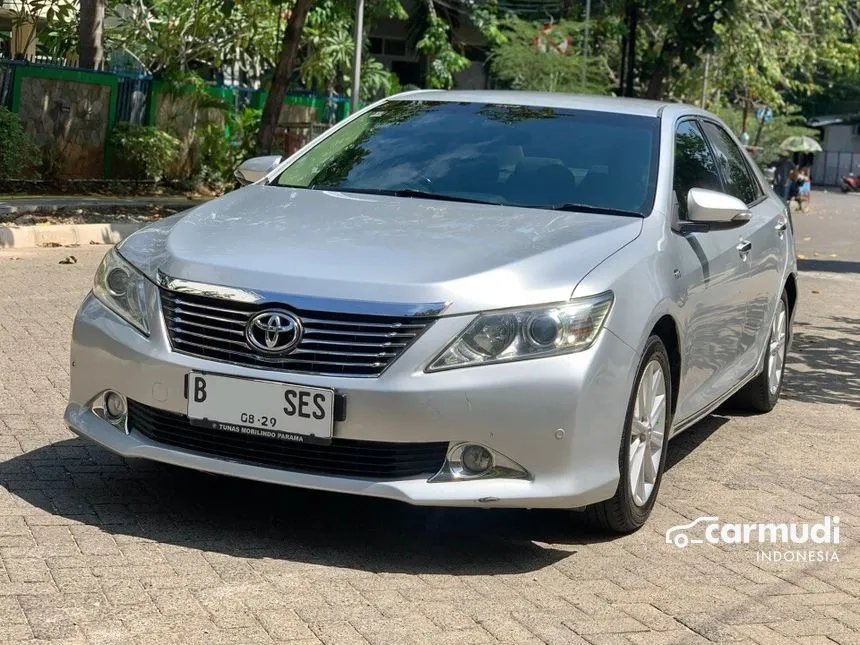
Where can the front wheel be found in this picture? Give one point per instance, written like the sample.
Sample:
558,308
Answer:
642,457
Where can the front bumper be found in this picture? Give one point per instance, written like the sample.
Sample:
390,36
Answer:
516,409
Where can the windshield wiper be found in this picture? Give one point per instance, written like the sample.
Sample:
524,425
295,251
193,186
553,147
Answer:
590,208
405,192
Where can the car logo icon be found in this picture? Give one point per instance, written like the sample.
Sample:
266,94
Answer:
677,535
274,331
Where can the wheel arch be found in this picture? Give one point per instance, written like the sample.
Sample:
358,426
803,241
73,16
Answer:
791,291
667,330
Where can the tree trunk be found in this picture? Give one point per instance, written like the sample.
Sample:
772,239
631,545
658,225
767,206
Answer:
632,23
92,18
662,65
622,72
281,78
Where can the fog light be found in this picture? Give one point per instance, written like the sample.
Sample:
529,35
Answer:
115,405
476,459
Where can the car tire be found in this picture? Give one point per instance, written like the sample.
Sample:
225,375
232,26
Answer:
630,507
762,393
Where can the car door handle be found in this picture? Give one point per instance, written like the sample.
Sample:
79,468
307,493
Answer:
744,247
781,225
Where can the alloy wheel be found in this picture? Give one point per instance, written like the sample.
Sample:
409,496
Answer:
648,427
776,349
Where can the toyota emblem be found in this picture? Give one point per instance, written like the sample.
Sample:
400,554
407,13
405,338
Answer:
274,331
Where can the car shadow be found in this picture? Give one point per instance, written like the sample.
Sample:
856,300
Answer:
83,482
821,367
686,442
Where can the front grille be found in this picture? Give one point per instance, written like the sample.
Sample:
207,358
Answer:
343,457
333,344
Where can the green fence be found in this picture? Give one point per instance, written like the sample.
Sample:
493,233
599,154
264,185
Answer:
71,113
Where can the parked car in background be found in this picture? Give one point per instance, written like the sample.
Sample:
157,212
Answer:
479,299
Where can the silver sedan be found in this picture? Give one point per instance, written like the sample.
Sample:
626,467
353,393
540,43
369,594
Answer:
481,299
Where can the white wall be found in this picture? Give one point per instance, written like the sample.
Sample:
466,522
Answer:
841,138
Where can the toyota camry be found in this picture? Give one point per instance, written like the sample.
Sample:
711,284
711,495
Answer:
479,299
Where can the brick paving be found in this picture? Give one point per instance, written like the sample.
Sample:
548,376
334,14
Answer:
96,549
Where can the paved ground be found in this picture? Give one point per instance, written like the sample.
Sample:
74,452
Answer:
95,549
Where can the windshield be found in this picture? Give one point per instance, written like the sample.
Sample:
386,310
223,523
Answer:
500,154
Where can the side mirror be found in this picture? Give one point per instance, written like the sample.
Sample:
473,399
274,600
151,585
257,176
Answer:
256,168
713,207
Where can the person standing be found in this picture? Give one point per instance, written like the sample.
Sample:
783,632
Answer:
782,178
804,188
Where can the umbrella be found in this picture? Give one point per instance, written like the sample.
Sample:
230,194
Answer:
800,144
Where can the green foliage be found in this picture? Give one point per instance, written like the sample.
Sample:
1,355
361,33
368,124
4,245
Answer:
176,35
674,36
772,133
329,44
522,63
442,60
17,150
144,152
56,24
222,149
780,45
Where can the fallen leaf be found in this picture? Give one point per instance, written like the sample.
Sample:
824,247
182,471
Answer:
69,260
806,239
50,245
801,257
833,255
815,292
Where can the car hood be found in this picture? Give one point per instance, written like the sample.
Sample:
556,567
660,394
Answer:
350,246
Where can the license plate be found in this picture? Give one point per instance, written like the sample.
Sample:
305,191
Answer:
261,408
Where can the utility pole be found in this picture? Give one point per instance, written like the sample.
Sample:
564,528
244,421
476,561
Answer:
585,42
356,61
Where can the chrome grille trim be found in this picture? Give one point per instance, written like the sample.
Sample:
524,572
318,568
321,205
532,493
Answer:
220,294
333,344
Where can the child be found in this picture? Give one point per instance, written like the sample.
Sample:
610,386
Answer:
804,186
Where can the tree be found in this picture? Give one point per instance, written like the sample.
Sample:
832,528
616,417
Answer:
435,44
328,47
530,56
169,37
664,38
90,32
782,47
283,71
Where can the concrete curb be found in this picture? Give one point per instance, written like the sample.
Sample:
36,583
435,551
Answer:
19,237
24,205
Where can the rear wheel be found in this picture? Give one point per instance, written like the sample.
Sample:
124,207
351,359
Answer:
642,457
762,393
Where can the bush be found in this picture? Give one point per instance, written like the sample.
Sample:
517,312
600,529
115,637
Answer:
144,151
18,152
220,151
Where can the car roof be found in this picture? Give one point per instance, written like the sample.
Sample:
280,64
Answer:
615,104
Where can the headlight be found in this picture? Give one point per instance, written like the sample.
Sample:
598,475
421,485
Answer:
527,333
123,289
